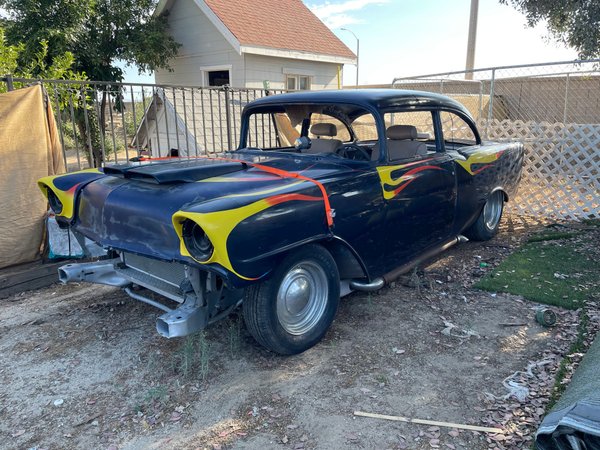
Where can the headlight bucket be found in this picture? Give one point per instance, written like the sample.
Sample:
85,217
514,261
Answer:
196,241
55,203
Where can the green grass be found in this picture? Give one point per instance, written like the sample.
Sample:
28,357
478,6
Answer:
553,273
552,236
193,357
591,222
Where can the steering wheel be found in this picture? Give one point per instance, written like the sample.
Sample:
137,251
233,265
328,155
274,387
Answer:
353,151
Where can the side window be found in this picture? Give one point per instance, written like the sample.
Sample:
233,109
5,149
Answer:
364,128
342,131
421,120
456,131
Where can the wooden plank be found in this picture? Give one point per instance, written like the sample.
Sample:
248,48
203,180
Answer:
31,285
430,422
20,274
26,277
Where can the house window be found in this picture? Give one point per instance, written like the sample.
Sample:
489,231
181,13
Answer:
297,82
218,77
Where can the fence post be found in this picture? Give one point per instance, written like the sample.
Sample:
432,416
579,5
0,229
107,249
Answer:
9,83
228,116
491,105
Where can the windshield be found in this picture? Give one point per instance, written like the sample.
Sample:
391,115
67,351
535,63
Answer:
327,130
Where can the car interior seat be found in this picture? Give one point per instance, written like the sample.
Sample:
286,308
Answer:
320,145
401,143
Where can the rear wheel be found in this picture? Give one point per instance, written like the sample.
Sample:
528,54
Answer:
486,225
292,311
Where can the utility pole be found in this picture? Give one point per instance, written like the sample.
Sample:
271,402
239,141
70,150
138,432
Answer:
471,41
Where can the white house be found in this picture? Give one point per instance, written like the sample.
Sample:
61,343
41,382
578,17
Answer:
245,43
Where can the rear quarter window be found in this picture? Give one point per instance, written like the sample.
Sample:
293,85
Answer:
456,130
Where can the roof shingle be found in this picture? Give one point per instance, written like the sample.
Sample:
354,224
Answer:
278,24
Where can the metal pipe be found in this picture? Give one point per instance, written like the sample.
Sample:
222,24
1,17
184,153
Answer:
392,275
60,128
97,106
194,123
374,285
88,131
74,129
147,300
518,66
175,119
185,123
378,283
227,117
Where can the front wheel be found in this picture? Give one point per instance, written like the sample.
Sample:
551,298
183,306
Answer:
291,311
486,225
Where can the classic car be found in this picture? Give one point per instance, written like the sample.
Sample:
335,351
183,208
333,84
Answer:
328,192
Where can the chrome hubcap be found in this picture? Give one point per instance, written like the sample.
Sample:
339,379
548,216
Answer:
492,211
302,297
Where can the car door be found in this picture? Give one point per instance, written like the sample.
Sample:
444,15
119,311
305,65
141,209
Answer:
419,191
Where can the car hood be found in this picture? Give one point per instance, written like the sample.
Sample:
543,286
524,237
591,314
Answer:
131,207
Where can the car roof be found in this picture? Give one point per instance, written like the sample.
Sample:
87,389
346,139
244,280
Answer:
368,98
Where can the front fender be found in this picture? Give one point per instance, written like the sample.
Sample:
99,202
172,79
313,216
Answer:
247,237
66,187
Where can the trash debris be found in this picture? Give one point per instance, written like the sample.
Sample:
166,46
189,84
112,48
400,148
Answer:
517,390
58,402
18,433
545,317
454,331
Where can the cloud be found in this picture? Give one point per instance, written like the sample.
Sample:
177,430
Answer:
336,15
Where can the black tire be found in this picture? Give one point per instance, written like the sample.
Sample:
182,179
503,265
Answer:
486,225
307,274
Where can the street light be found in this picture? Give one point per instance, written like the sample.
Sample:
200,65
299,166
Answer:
357,50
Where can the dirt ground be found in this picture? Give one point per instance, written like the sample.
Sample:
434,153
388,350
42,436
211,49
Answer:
81,366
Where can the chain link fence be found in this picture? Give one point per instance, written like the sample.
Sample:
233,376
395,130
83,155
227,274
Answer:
554,109
101,123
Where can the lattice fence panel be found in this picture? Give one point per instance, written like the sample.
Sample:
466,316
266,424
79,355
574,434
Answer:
561,171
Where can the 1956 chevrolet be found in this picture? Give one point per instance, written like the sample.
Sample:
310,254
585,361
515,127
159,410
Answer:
329,192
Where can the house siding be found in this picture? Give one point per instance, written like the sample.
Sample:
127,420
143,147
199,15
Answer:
260,68
202,46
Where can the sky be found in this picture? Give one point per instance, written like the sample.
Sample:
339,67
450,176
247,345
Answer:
400,38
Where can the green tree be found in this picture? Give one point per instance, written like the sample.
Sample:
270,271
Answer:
61,66
575,23
99,33
9,55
